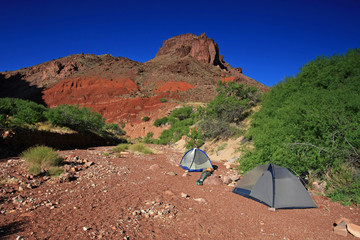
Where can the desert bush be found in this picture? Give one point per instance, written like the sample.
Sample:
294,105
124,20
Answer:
195,139
181,113
212,128
55,171
149,138
163,100
232,103
161,121
2,120
140,148
78,119
22,111
145,119
121,148
113,127
344,184
41,158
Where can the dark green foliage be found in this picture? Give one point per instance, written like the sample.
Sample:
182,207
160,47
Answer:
163,100
115,128
180,119
161,121
79,119
149,138
232,103
21,111
146,118
311,121
196,139
181,113
2,120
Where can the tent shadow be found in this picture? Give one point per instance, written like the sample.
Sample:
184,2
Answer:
11,228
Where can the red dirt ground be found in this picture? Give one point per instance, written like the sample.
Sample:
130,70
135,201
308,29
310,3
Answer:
140,197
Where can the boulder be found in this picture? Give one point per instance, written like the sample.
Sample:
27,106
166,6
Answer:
353,229
340,229
213,180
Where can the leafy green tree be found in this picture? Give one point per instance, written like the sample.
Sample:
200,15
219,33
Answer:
233,102
21,111
79,119
310,121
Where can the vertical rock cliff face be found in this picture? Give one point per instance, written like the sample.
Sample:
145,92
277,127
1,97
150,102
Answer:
201,48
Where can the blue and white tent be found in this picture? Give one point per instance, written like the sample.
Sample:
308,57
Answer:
195,160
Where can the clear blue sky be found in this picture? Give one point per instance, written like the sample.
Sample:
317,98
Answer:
268,39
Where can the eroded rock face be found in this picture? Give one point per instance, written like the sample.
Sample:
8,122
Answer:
202,48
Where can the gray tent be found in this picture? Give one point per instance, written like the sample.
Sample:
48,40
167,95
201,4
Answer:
195,160
275,187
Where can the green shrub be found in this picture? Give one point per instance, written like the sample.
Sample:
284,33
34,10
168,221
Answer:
2,120
141,148
161,121
22,111
35,170
233,102
163,100
55,171
149,138
182,113
195,139
343,184
41,158
113,127
121,148
78,119
145,119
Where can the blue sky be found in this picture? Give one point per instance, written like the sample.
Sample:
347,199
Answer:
268,39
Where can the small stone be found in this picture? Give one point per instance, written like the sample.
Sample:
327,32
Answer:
168,192
226,180
200,200
340,229
184,195
21,189
88,164
172,173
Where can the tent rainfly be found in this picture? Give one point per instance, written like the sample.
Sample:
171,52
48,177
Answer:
275,187
195,160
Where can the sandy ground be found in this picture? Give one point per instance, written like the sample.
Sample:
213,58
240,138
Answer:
147,197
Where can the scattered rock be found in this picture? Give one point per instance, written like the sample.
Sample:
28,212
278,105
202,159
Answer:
88,164
168,192
172,173
226,180
213,180
346,220
200,200
353,229
184,195
340,229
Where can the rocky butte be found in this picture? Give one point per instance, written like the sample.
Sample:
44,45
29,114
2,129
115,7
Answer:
185,69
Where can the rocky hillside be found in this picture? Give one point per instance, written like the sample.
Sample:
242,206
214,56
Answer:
185,69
